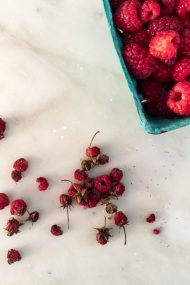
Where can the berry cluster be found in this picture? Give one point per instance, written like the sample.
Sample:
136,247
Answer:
156,50
2,128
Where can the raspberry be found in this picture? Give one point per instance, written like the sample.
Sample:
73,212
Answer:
179,99
156,231
168,7
4,201
74,189
121,220
16,175
43,183
92,151
80,175
2,128
164,45
162,73
89,183
66,202
116,3
162,108
33,217
183,8
118,189
140,37
103,234
151,218
92,200
152,90
181,70
56,230
149,11
138,61
103,159
164,24
116,174
185,42
126,18
111,208
102,183
12,226
20,164
13,255
18,207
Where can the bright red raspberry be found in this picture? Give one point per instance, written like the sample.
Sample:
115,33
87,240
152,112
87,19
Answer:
120,219
56,230
13,255
102,183
162,74
164,45
151,218
179,99
165,23
16,175
4,201
140,37
18,207
183,8
20,164
156,231
12,226
185,42
80,175
118,189
92,200
116,3
138,61
149,11
2,128
126,17
33,217
168,7
89,183
103,159
116,174
181,70
43,183
92,151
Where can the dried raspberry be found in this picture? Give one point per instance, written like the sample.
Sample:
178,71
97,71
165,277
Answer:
16,175
89,183
149,11
111,208
164,24
80,175
185,42
13,255
126,18
168,7
162,73
92,200
20,164
74,189
56,230
2,128
179,99
183,8
151,218
164,45
140,37
118,189
102,183
18,207
138,61
116,174
43,183
103,234
4,201
33,217
156,231
103,159
121,220
92,151
66,202
181,70
87,164
116,3
12,226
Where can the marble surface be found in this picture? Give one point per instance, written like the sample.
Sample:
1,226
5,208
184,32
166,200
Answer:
60,81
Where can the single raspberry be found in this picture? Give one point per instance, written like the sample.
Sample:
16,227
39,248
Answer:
2,128
102,183
116,174
138,61
18,207
183,8
103,234
66,202
20,164
149,11
179,99
140,37
165,23
181,70
156,231
185,42
151,218
116,3
103,159
118,189
81,201
12,226
13,255
93,151
80,175
92,200
33,217
56,230
168,7
164,45
89,183
120,219
16,175
4,201
162,73
126,17
43,183
110,208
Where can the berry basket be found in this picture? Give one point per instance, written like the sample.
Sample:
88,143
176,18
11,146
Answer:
150,125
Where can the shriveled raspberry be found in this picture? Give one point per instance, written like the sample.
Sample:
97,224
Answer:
13,255
164,45
168,7
151,218
89,183
118,189
80,175
43,183
103,234
140,37
102,183
56,230
33,217
74,189
103,159
138,61
156,231
116,174
126,17
183,8
18,207
185,42
179,99
116,3
65,200
162,73
12,226
16,175
120,220
165,23
181,70
92,151
4,201
111,208
20,164
149,11
2,128
92,200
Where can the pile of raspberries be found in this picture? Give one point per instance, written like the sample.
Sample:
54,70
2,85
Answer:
156,51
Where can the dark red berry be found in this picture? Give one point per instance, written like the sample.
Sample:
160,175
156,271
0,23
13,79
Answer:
4,201
80,175
20,164
185,42
16,175
2,128
103,234
56,230
18,207
33,217
66,202
102,183
103,159
116,174
181,70
165,23
140,37
43,183
118,189
92,151
151,218
149,11
12,226
156,231
92,200
183,8
168,7
89,183
120,220
162,74
116,3
13,255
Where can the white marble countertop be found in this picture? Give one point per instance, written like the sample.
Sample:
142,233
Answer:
60,81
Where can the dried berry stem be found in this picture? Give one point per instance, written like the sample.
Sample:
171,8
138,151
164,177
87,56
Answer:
68,217
125,235
66,180
93,138
104,221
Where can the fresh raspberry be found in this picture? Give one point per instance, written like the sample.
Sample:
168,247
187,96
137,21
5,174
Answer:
33,217
138,61
4,201
56,230
103,234
16,175
92,151
13,255
179,99
89,183
18,207
2,128
162,73
80,175
20,164
43,183
12,226
92,200
149,11
162,108
151,218
102,183
103,159
118,189
164,45
126,18
152,90
165,23
185,42
156,231
140,37
120,219
111,208
181,70
168,7
116,3
183,8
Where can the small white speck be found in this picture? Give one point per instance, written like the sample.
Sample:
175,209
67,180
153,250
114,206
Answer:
62,137
64,128
111,100
81,68
54,131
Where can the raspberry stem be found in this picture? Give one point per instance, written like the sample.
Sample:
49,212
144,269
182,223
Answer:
67,217
125,235
93,138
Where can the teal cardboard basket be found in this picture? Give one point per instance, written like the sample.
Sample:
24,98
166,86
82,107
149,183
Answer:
150,125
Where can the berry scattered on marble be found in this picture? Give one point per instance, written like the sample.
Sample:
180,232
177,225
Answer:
151,218
42,183
21,165
2,128
4,201
18,207
56,230
156,231
13,255
16,175
12,226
